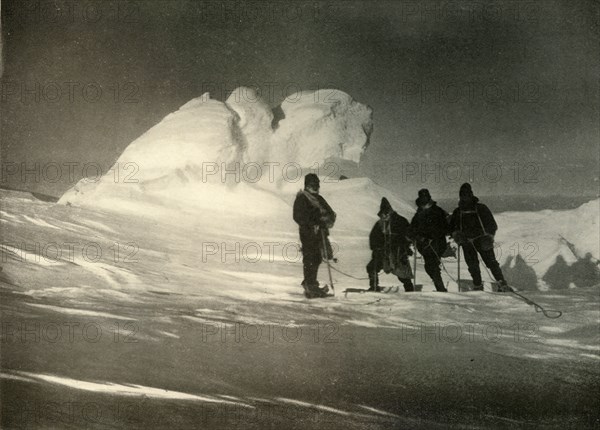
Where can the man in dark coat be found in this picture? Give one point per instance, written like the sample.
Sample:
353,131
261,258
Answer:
390,246
474,227
429,228
315,217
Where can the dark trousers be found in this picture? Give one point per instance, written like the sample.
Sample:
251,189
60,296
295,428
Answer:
470,251
311,260
311,255
373,269
432,266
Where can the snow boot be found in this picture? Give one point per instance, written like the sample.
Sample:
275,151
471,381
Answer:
375,288
478,287
374,283
503,287
407,284
315,292
439,284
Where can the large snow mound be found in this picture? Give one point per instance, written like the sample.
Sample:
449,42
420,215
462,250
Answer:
216,152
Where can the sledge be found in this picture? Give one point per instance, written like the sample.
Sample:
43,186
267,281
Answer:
465,285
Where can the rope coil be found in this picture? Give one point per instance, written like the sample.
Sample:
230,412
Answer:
552,314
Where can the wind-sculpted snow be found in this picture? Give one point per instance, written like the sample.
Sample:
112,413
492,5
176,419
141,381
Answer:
233,155
319,125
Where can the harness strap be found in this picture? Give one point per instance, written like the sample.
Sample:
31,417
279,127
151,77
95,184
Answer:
478,217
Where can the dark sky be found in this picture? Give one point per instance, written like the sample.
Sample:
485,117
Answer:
510,85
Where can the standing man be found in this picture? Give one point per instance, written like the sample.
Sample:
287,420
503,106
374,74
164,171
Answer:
474,227
390,246
315,217
429,228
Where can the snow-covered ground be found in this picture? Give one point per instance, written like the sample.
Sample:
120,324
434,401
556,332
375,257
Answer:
189,320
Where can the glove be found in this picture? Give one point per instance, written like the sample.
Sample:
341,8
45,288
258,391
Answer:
459,237
486,242
326,221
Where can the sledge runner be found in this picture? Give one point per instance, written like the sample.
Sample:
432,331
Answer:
429,228
391,248
474,227
315,217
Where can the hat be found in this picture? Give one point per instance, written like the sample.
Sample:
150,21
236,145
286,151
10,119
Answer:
385,206
424,197
311,180
466,190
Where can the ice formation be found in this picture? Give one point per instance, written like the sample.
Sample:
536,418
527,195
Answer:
227,154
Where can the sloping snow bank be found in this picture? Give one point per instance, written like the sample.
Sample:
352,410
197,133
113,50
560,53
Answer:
536,236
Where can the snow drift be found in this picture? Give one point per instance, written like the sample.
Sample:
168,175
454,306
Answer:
232,156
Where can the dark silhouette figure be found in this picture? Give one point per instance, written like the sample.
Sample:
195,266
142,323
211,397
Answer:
521,275
428,228
474,227
390,246
314,217
558,275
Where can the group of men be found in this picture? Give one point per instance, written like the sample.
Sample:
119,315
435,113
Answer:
471,225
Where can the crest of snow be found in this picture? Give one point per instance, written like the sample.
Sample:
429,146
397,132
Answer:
378,411
7,215
597,357
312,405
73,311
166,333
126,390
39,222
